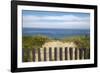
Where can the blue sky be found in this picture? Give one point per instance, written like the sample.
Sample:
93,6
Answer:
51,19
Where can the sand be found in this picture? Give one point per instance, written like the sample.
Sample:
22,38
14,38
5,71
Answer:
59,44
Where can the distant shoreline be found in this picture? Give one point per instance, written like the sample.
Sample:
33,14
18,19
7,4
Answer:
55,33
56,28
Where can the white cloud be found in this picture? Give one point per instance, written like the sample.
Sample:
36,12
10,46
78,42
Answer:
64,21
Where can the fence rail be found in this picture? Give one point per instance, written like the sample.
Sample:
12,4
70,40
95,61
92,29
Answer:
54,54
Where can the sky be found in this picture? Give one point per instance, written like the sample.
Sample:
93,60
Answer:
51,19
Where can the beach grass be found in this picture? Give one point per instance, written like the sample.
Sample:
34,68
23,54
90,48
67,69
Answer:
34,41
80,41
37,41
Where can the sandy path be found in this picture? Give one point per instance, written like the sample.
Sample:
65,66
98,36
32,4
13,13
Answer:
59,44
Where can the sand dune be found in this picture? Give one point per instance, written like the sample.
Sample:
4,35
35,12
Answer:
58,44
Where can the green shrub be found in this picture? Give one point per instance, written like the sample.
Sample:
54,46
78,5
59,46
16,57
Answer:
34,41
38,40
80,41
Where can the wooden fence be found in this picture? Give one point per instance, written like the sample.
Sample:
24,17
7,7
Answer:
54,54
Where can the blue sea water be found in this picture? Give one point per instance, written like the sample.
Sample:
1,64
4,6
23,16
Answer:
55,33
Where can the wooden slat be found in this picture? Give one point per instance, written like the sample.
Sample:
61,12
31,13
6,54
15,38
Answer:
80,53
50,54
60,53
55,53
87,54
23,52
71,53
66,53
28,55
39,55
76,53
44,54
33,54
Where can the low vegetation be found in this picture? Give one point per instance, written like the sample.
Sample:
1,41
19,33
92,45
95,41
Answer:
80,41
38,40
34,41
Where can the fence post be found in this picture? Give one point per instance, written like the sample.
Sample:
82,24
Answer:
63,53
26,51
87,53
50,54
76,53
28,54
44,53
47,54
55,53
23,56
80,53
83,53
71,53
60,53
34,54
66,53
39,55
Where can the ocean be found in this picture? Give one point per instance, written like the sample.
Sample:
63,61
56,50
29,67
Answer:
55,33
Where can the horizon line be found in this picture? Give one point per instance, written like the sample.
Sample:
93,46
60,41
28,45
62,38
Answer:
55,28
